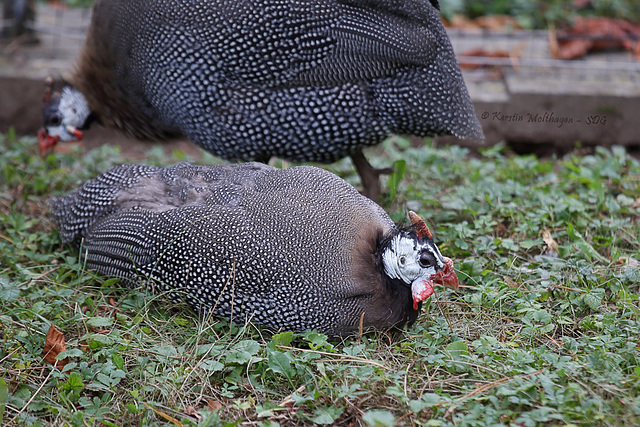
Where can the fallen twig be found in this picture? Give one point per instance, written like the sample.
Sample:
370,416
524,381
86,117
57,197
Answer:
495,384
568,288
342,356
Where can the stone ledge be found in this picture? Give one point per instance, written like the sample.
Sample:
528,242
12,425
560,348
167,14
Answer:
595,101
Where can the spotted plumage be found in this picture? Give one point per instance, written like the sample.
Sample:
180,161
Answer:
289,249
304,80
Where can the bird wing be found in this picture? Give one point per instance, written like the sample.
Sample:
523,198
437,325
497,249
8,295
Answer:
375,38
168,247
271,43
149,188
77,211
318,42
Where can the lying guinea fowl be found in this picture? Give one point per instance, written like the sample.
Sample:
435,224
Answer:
290,249
304,80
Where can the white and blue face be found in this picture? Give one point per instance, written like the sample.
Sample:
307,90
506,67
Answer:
407,258
63,121
414,261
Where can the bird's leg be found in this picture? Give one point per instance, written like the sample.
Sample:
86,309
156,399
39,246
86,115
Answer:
263,159
369,175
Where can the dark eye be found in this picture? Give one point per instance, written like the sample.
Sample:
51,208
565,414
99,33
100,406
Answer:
55,120
426,259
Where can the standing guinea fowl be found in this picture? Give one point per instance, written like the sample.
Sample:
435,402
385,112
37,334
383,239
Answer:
303,80
290,249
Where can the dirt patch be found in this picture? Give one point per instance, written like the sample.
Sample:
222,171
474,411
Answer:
24,117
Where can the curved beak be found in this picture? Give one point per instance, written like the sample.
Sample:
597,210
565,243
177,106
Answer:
422,288
47,141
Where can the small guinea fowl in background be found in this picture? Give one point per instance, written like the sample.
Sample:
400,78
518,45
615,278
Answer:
291,249
303,80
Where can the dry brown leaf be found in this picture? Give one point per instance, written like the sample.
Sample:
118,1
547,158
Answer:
636,204
511,283
574,49
501,230
479,52
488,22
214,405
552,245
53,345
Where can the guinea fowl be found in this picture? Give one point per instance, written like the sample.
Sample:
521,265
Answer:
303,80
290,249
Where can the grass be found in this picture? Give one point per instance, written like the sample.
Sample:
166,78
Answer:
545,329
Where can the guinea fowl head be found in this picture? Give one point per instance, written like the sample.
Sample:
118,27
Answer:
412,257
65,114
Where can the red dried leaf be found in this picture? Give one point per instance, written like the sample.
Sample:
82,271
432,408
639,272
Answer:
574,49
594,34
53,345
479,52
